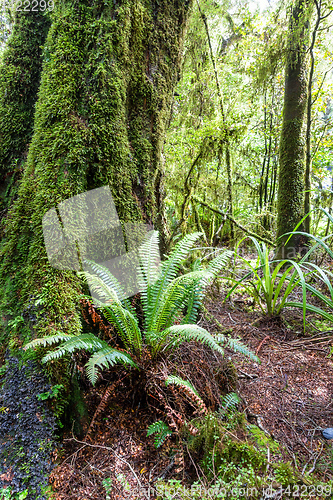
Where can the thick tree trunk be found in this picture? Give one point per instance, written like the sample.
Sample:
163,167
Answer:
292,142
19,82
106,89
109,71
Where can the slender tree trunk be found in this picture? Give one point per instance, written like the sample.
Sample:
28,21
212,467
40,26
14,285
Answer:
307,206
292,142
226,136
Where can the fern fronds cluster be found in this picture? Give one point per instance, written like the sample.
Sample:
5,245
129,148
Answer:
164,297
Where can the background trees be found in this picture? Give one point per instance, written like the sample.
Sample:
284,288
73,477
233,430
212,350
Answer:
252,55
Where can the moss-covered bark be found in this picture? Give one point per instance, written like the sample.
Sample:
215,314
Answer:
292,142
107,83
20,72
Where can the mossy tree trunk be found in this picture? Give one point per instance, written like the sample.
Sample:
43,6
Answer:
107,83
19,82
292,141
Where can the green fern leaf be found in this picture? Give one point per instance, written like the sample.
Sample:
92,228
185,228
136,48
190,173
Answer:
161,429
230,402
237,346
104,274
106,358
173,379
177,334
45,341
86,341
169,270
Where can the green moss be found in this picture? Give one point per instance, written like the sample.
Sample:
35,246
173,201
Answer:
285,474
218,446
262,440
20,71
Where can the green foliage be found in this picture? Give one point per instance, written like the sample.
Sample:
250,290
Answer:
270,283
107,483
164,296
227,461
261,440
229,403
19,81
54,392
321,276
162,431
285,473
6,494
172,379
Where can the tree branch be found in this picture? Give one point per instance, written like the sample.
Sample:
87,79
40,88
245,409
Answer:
250,233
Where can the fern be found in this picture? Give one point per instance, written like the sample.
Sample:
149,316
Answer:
46,341
173,336
229,402
196,290
191,392
173,300
86,341
237,346
173,379
164,298
169,271
106,278
162,431
106,358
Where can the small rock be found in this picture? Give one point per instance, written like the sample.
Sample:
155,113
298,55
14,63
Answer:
327,433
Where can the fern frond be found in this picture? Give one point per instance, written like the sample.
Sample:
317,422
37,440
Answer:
46,341
161,429
126,324
196,291
104,274
216,265
86,341
230,401
237,346
194,300
149,269
173,299
106,293
189,390
106,358
177,334
173,379
169,270
115,312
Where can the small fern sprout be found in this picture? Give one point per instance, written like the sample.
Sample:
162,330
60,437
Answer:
162,431
229,403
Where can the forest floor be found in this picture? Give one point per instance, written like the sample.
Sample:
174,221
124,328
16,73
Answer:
289,396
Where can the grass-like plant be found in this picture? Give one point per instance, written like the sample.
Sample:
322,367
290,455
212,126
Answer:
317,272
170,304
271,283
